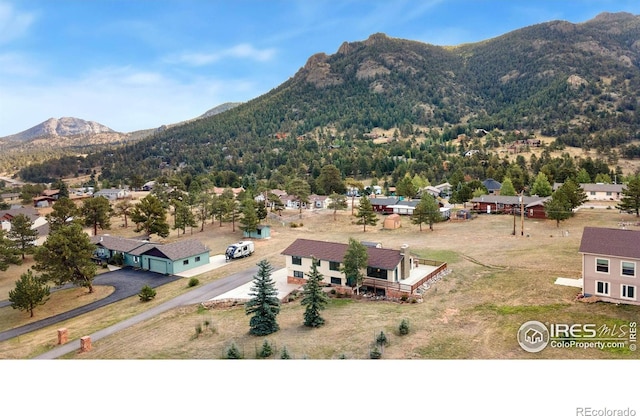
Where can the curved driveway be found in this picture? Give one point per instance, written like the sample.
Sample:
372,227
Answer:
127,282
193,296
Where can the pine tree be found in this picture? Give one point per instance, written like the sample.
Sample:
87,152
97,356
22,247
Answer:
97,212
150,216
366,215
337,202
64,211
66,256
8,252
30,292
249,220
558,207
426,212
263,304
285,354
22,235
630,201
313,297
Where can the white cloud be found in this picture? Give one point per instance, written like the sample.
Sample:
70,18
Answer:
123,98
241,51
13,23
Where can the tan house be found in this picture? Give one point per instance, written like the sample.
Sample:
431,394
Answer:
610,260
600,191
392,273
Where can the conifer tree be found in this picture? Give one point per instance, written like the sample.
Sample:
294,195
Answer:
507,187
97,212
30,292
541,186
8,252
263,304
630,200
22,235
426,212
366,215
313,297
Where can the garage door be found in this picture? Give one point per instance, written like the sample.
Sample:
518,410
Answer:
158,266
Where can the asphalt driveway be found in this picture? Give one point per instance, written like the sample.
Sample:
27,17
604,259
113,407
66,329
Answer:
127,283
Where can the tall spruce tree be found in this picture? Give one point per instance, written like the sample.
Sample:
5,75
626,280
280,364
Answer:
22,235
263,305
29,293
313,297
630,201
366,215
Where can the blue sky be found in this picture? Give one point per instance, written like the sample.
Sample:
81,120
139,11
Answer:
136,64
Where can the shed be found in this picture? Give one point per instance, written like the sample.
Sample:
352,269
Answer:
262,232
391,222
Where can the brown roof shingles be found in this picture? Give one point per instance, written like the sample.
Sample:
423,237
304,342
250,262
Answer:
382,258
610,242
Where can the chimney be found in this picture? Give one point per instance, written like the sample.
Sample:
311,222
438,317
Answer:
405,265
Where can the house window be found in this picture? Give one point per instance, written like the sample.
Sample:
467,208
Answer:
185,262
317,262
608,193
336,281
602,265
602,288
334,265
628,268
298,274
197,259
136,259
628,292
296,260
377,273
592,193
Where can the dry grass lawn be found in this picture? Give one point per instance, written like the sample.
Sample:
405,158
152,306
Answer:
497,282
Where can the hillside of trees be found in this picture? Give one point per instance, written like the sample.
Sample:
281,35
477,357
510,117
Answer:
578,83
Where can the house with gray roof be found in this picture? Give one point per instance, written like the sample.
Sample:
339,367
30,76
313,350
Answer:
389,272
169,258
610,259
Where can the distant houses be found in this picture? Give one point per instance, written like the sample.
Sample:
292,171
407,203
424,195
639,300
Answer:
502,204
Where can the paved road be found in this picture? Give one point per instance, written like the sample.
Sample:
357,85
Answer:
193,296
127,282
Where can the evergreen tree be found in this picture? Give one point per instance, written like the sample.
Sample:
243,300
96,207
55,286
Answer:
583,176
313,297
355,261
96,212
426,212
573,193
124,208
558,207
29,293
249,220
301,190
338,201
183,217
366,215
150,216
233,353
285,354
541,186
507,188
330,181
630,201
64,211
22,235
263,305
66,256
8,252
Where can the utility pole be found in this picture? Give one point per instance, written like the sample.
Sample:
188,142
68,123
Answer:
522,214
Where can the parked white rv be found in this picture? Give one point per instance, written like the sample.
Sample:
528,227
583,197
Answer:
239,250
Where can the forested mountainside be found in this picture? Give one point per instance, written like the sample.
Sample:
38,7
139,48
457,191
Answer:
576,82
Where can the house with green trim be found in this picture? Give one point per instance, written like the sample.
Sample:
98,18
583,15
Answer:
169,258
